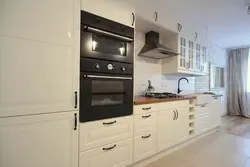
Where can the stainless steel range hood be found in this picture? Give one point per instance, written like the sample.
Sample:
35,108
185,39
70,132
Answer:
153,48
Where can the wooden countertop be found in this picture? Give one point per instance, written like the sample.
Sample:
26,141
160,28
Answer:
146,100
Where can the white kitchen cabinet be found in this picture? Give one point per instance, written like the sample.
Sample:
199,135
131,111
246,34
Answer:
216,107
102,132
40,140
118,154
182,124
144,122
45,20
36,77
117,11
145,145
166,129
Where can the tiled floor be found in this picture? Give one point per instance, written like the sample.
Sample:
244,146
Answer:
229,147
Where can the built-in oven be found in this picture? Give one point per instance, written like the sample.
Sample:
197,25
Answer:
105,93
106,68
105,40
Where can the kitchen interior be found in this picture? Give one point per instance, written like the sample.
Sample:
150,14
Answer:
136,83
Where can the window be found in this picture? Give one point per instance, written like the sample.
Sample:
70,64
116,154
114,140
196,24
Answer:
248,77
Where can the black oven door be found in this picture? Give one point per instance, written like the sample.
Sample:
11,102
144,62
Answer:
104,97
106,47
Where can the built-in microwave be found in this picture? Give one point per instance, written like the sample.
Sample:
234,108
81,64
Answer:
105,40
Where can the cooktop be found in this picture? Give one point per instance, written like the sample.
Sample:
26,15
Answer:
162,95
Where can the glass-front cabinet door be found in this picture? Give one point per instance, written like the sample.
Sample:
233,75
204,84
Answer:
198,57
203,59
183,57
191,55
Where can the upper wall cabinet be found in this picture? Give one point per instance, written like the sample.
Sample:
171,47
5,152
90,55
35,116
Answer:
117,11
46,21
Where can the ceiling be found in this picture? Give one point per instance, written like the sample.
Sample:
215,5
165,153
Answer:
227,20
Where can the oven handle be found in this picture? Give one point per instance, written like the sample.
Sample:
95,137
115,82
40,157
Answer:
87,28
107,77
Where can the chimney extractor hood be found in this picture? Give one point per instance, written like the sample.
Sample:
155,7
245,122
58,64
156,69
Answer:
153,48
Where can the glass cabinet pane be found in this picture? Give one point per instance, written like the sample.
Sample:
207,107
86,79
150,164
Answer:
191,54
198,57
183,52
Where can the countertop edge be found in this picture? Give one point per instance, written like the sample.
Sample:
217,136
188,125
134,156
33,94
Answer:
145,100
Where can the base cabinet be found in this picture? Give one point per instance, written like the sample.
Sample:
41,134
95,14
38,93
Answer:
145,145
119,154
47,140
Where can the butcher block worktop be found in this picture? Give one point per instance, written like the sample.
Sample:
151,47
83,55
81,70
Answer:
147,100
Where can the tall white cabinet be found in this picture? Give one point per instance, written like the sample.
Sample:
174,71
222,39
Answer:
39,57
37,141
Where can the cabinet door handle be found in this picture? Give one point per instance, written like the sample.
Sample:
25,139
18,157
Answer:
196,35
75,128
133,22
108,123
145,137
156,16
109,148
146,116
203,105
178,27
174,114
76,99
177,113
146,108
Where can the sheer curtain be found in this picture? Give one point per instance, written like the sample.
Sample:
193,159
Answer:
238,82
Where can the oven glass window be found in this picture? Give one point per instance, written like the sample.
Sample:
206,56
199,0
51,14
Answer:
107,92
109,45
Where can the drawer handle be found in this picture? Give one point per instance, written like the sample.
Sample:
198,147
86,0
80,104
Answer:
146,108
203,105
109,123
109,148
145,137
146,116
215,97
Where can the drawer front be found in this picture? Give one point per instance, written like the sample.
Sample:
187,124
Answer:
145,121
118,154
146,108
98,133
145,145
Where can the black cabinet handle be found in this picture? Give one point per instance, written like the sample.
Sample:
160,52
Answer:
178,27
196,35
75,121
133,22
145,137
109,148
146,108
76,99
156,16
203,105
174,114
181,28
177,113
146,116
108,123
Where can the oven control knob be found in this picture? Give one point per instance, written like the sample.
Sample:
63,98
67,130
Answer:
123,69
110,66
97,66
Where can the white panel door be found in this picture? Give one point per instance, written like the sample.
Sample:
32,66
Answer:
117,11
118,154
35,77
182,124
47,140
166,129
42,20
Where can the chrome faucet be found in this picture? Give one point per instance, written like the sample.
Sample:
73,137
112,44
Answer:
179,90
